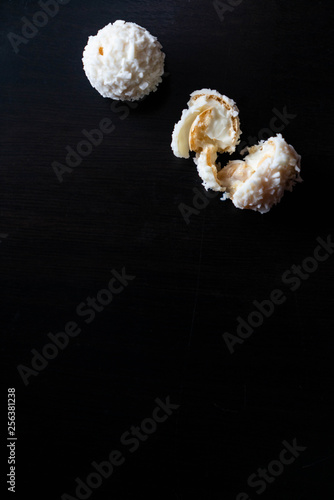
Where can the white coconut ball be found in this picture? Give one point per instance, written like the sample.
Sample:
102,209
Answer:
123,61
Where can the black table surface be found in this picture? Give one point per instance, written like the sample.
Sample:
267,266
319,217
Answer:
214,351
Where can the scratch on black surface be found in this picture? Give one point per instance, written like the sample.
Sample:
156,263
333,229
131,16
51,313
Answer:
317,462
191,325
226,410
197,284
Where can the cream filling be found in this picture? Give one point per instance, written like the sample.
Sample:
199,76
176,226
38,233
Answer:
211,119
220,128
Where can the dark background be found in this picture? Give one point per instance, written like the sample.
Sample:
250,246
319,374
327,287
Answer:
162,336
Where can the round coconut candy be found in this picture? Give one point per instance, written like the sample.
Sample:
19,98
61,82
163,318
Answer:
123,61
